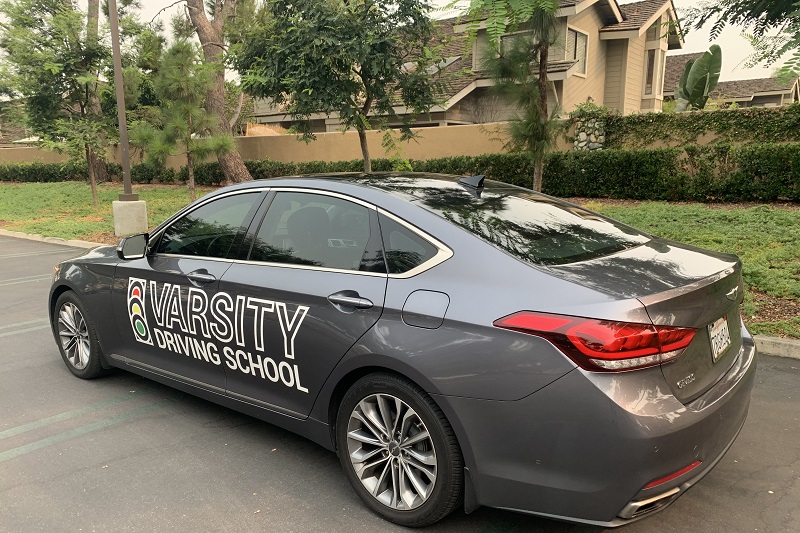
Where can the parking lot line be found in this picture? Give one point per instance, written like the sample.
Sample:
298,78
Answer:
26,323
77,432
24,330
66,415
29,279
45,252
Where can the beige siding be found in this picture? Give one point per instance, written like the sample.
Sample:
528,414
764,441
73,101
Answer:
634,75
577,88
615,72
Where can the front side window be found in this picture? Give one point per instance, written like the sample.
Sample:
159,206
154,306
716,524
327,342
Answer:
317,230
209,230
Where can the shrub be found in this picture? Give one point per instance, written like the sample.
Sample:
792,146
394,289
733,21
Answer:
753,172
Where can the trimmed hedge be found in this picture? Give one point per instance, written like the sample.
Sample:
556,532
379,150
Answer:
749,124
753,172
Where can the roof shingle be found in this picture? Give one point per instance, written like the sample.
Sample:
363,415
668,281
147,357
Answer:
635,15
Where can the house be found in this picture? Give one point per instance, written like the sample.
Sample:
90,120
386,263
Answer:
607,53
756,92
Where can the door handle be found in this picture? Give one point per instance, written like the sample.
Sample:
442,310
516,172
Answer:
201,277
349,299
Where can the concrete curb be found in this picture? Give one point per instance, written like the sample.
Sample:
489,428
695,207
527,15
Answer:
777,346
77,243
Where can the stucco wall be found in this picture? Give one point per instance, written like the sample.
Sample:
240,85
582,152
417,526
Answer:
29,154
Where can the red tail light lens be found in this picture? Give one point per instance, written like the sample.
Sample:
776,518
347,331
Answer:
603,345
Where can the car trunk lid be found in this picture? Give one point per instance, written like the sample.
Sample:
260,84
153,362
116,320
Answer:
682,286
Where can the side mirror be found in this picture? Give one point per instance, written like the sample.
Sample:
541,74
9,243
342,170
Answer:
133,247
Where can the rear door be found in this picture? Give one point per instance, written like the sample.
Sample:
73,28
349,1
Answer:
310,282
166,304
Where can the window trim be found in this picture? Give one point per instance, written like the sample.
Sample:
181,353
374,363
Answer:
154,239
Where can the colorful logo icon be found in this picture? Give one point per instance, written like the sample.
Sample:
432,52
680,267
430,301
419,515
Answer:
141,331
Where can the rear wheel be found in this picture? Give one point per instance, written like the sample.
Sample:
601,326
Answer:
76,336
399,451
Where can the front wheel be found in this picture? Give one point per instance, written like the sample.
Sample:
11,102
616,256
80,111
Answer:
399,451
76,337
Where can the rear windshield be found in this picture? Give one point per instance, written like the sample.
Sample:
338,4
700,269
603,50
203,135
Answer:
531,227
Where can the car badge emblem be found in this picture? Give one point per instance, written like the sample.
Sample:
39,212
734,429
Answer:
731,294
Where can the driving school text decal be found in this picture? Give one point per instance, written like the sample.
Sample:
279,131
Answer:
202,321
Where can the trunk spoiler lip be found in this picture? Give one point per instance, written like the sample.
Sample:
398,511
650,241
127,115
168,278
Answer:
676,292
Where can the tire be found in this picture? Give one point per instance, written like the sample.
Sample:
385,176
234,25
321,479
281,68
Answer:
425,461
76,337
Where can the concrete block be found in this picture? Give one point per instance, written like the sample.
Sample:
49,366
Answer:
130,218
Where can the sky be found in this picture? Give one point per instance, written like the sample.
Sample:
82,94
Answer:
735,49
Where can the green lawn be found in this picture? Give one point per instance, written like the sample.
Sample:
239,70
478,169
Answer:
767,238
66,210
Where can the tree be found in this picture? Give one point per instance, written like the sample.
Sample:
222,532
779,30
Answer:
212,35
517,79
533,131
181,85
699,78
775,26
53,61
355,59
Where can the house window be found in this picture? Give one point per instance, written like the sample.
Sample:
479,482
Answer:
576,48
662,58
649,74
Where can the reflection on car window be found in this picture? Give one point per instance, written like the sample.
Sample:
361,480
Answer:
209,230
535,228
317,230
405,249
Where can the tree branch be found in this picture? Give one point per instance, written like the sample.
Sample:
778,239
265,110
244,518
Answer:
173,4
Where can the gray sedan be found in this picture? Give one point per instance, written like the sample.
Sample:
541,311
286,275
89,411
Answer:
457,341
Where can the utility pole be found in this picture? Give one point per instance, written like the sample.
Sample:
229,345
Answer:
113,19
130,213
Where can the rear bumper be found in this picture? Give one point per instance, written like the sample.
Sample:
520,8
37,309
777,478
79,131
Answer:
583,448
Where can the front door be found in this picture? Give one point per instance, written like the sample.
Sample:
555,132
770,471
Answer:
165,302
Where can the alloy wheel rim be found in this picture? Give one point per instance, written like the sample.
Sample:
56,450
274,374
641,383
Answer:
392,452
74,335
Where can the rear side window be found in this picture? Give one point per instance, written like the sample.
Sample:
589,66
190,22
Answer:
534,228
209,230
317,230
404,249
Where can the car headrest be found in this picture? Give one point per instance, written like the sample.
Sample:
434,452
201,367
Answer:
308,228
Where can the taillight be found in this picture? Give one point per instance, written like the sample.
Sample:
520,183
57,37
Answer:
603,345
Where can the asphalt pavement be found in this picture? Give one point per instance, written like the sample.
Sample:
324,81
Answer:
122,453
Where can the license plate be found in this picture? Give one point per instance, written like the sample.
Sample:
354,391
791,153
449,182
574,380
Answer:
720,337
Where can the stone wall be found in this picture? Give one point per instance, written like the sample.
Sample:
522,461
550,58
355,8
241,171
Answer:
589,135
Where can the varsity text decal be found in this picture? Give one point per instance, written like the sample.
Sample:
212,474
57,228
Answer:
198,323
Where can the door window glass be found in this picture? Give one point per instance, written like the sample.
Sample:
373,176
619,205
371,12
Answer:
209,230
316,230
404,249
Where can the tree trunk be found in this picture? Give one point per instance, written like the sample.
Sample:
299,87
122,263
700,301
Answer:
362,139
190,173
544,116
212,38
90,163
538,170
